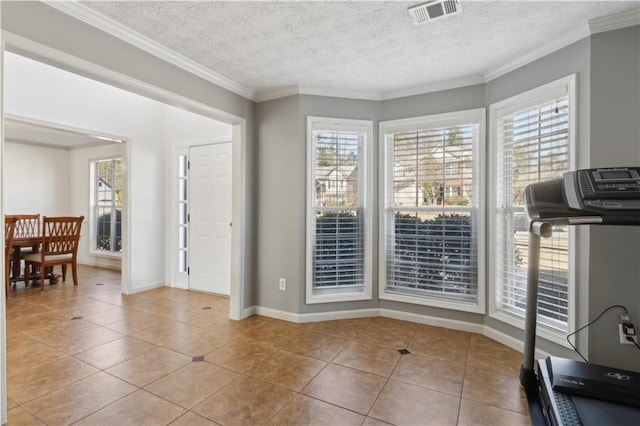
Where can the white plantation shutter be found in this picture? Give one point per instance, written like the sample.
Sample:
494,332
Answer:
431,202
533,145
338,246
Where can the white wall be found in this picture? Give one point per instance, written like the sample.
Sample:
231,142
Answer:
42,92
37,180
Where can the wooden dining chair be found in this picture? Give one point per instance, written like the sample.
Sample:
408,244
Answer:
9,229
60,237
27,226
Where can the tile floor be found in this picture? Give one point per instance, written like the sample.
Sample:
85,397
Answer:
87,355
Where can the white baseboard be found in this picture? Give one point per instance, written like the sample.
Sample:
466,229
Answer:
482,329
146,287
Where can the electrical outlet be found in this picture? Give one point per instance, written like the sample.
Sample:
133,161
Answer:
283,284
623,336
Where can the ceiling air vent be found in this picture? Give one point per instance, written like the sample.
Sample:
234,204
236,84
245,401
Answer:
431,10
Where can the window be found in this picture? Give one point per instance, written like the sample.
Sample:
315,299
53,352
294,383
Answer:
107,177
431,210
533,136
339,215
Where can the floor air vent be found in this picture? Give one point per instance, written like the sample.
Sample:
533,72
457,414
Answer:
425,12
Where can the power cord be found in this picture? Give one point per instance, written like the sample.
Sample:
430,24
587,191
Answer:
597,318
632,340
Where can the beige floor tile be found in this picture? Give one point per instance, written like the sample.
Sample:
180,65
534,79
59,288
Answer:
192,384
192,419
491,388
370,421
166,333
138,409
346,328
430,373
114,353
200,342
289,370
29,354
319,346
46,378
19,417
476,414
136,322
303,410
489,354
86,340
245,401
11,403
387,339
345,387
390,325
71,403
149,367
241,355
106,317
441,343
276,333
405,404
369,358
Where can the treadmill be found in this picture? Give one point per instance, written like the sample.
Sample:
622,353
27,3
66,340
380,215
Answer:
563,391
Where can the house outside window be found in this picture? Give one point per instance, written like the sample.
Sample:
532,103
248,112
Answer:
107,197
431,217
533,140
338,210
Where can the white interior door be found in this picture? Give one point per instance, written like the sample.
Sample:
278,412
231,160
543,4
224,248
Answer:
210,218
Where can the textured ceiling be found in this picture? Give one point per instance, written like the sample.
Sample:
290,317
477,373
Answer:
357,46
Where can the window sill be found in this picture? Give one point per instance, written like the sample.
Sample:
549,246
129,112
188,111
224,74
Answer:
337,296
473,307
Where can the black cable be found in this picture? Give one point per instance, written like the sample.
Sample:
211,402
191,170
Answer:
585,326
632,340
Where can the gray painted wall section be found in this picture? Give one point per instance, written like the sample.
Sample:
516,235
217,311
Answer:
614,273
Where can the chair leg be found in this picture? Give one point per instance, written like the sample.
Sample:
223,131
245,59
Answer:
43,275
27,274
74,271
64,272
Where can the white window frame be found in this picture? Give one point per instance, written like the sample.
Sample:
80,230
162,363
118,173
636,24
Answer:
329,295
93,233
410,124
546,92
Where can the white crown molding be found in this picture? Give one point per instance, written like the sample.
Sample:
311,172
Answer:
339,93
537,54
127,35
435,87
615,22
278,92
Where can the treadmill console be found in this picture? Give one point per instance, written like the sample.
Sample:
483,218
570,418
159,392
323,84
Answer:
604,189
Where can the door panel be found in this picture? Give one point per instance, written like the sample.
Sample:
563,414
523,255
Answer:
210,210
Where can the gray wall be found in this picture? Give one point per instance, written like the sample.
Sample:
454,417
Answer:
614,267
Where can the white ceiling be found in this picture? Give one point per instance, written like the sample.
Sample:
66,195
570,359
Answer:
354,46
